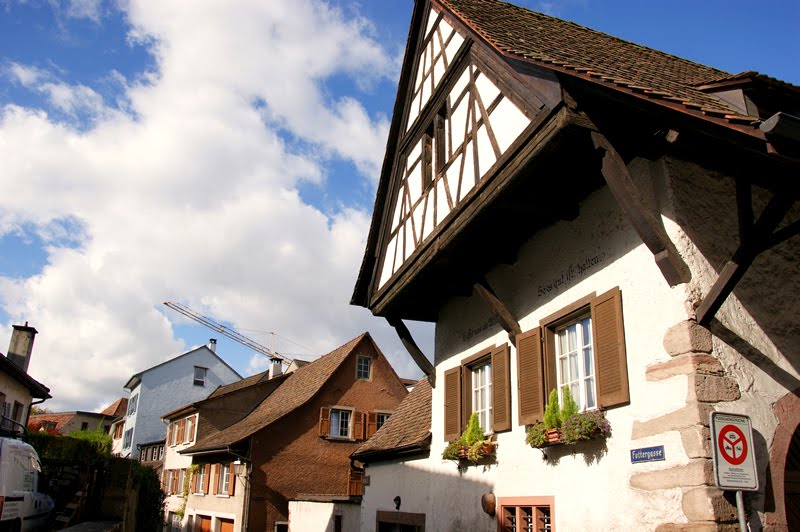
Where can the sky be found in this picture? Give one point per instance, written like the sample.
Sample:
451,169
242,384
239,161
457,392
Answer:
225,155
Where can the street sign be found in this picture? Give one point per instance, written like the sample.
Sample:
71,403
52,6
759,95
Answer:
734,455
647,454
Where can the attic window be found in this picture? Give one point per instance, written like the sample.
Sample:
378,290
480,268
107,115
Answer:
200,376
363,367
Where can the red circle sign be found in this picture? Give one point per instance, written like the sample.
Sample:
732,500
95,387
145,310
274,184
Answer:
732,444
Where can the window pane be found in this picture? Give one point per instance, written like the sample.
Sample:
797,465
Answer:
572,334
587,361
575,390
586,326
590,402
564,369
573,366
562,343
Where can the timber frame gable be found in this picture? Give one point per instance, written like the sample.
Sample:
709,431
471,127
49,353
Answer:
447,212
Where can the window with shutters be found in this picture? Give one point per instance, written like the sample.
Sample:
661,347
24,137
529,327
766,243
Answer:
224,479
200,479
380,419
581,346
481,384
343,423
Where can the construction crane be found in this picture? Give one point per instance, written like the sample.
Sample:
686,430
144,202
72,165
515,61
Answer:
230,333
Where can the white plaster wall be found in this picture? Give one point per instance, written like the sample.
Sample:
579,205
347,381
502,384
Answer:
220,505
307,516
563,263
170,386
15,392
174,460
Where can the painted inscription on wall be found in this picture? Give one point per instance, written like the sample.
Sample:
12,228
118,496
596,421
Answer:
571,273
472,332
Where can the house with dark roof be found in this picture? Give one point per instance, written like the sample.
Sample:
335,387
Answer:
578,213
18,390
292,448
181,380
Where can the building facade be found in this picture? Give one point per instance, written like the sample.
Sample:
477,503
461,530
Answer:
155,391
18,390
578,213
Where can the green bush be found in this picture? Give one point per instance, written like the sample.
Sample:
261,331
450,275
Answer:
150,503
570,408
63,448
473,432
100,439
552,413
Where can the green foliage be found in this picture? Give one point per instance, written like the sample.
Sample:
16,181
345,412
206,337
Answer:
536,435
64,448
472,441
150,503
190,472
552,414
474,432
570,408
585,426
97,437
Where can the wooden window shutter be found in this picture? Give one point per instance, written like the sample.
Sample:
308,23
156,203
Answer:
324,421
529,377
358,426
231,479
194,480
164,481
608,336
207,479
355,483
372,424
181,430
501,389
215,483
169,433
452,404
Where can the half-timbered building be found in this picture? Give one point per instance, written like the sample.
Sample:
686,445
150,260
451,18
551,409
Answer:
575,211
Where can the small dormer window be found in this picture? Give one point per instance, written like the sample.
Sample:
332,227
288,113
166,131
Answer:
200,376
363,367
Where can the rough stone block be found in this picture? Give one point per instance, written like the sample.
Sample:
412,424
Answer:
692,363
687,337
712,389
696,473
696,441
688,416
707,504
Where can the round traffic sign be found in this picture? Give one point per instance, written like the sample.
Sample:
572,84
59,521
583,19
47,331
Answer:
732,444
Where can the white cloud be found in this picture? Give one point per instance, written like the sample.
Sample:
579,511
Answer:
191,193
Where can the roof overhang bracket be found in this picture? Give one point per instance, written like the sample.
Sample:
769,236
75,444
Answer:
413,349
754,238
649,226
500,311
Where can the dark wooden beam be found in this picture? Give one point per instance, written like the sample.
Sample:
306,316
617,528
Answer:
760,238
504,316
645,222
413,349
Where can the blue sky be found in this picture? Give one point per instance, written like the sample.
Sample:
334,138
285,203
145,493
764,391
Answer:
225,155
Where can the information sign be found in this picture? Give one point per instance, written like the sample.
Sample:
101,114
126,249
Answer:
734,455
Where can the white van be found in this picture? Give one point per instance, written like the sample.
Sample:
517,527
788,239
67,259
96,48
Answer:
22,506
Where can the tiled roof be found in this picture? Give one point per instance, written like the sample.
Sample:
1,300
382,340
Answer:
299,387
590,54
117,408
238,385
59,420
408,427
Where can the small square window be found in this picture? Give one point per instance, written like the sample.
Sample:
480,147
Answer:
363,366
200,376
340,423
381,418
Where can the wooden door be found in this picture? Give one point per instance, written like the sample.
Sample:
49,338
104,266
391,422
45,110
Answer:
202,523
226,525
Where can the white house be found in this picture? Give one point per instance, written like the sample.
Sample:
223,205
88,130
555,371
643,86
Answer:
18,389
155,391
574,211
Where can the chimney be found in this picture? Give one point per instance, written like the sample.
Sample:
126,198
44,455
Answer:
21,346
212,344
274,367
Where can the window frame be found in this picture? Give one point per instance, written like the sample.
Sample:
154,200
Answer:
582,376
340,410
540,502
199,381
132,404
359,375
127,438
378,416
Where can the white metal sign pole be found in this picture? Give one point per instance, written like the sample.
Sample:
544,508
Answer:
734,457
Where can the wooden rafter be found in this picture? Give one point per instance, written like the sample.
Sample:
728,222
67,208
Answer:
413,349
500,311
754,238
647,225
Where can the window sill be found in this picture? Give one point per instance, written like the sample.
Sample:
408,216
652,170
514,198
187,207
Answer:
341,439
222,496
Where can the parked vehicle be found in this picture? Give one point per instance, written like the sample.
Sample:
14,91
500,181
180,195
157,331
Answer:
22,506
